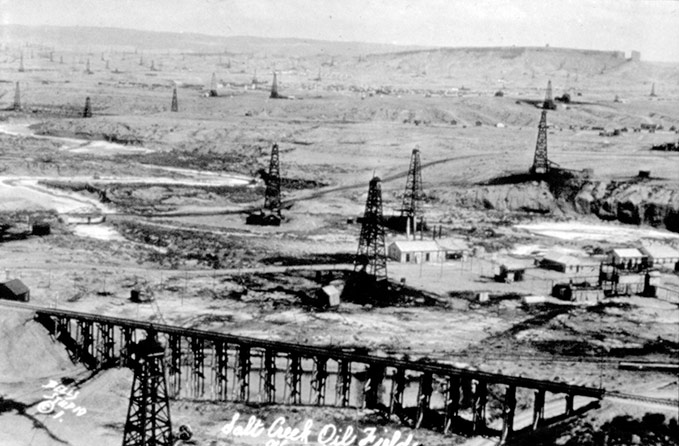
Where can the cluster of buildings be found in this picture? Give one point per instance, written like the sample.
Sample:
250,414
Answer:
621,271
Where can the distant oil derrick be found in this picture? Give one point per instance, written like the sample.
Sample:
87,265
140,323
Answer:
108,65
254,79
213,86
540,161
274,87
153,65
371,257
87,112
653,95
411,208
21,63
17,98
87,67
270,215
175,105
148,414
549,99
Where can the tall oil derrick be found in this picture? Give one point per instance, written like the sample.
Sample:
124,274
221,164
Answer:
148,414
272,195
540,160
87,112
17,97
213,86
21,63
175,105
87,67
254,79
270,215
653,90
371,257
412,198
549,99
274,87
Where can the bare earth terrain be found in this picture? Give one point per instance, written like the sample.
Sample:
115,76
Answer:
142,198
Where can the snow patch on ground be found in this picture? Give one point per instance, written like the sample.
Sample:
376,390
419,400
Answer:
601,232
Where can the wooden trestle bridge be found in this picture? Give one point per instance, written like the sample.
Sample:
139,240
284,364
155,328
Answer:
205,365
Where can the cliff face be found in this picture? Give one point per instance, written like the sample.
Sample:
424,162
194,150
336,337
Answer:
634,201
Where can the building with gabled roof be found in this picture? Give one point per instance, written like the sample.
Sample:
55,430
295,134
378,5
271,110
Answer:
659,256
415,251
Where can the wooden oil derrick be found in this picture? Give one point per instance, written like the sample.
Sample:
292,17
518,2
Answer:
17,98
87,67
371,257
540,160
549,99
21,63
653,95
270,215
213,86
272,195
87,112
175,105
254,80
274,87
148,414
412,197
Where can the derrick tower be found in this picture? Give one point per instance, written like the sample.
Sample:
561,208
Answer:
87,112
21,63
274,87
272,195
653,90
213,85
549,99
412,198
175,105
371,257
87,67
540,160
17,97
148,415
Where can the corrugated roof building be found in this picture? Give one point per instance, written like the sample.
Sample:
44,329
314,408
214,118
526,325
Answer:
661,255
415,251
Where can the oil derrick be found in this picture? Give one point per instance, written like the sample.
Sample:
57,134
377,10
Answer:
175,106
653,90
21,63
87,67
272,196
87,112
411,209
549,99
148,414
540,161
17,98
274,87
153,65
254,80
271,214
108,66
213,86
369,280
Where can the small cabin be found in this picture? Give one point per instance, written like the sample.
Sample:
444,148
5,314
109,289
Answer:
16,290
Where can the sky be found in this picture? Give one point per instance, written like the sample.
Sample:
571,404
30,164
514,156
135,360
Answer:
649,26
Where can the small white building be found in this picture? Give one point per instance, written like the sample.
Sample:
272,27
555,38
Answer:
415,251
660,256
626,258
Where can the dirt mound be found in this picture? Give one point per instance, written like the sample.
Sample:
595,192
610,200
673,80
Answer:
532,197
26,350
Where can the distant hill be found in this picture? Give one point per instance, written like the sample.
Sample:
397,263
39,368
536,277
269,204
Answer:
103,39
